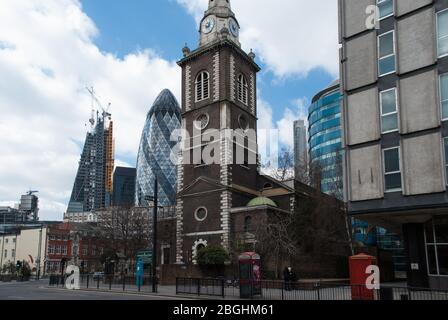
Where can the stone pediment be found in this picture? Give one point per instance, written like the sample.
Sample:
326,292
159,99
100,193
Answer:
202,185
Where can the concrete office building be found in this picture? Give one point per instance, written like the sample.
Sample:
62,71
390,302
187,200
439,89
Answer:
395,86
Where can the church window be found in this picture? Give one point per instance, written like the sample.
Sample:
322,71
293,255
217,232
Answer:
201,214
244,124
242,89
202,121
247,224
202,86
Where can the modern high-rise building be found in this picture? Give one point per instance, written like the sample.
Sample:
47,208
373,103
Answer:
154,157
394,80
29,206
325,139
123,194
300,149
93,184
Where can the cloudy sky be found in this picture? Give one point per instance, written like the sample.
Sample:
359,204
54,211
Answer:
50,50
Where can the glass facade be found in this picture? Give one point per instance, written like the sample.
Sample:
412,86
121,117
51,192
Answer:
91,189
325,144
123,187
154,157
394,244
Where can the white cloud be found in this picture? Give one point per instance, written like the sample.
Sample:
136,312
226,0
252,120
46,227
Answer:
292,37
284,126
47,57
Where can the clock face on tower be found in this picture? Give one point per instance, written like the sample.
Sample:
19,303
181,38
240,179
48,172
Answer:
208,25
234,28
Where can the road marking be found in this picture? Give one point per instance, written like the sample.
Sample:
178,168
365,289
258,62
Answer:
94,292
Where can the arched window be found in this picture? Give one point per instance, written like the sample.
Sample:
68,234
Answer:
247,224
267,185
242,89
202,86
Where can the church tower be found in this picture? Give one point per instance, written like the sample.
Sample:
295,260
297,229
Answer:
218,94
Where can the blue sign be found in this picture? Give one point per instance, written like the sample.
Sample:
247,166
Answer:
140,272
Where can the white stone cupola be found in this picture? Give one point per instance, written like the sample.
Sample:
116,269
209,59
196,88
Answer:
219,23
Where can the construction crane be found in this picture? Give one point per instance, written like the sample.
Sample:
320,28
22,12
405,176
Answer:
31,192
98,102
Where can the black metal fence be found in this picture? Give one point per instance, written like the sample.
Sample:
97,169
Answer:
279,290
9,278
205,287
108,282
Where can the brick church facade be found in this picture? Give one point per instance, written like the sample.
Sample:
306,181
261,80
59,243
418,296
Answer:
219,84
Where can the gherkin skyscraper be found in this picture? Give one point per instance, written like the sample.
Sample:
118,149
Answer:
155,150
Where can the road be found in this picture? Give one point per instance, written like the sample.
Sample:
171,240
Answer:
37,290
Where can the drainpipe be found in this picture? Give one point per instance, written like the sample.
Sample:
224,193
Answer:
39,256
15,248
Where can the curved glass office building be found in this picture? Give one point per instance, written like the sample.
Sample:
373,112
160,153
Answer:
155,150
325,138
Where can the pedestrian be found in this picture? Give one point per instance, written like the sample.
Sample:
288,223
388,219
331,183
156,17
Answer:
287,278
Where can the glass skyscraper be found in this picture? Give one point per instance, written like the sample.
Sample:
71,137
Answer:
93,183
325,143
123,193
154,157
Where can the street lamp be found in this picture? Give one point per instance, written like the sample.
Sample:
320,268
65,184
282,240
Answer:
154,234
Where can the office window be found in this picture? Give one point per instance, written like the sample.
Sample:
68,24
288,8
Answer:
386,8
442,33
6,253
436,238
58,250
6,240
444,95
13,253
392,169
386,53
389,110
64,250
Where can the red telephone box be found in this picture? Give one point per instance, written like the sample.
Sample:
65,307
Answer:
358,276
250,274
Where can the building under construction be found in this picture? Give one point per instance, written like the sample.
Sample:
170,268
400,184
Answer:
93,184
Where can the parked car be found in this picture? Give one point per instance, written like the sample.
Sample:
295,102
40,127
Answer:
98,275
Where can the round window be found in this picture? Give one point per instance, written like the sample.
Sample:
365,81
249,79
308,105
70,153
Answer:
202,121
201,214
244,124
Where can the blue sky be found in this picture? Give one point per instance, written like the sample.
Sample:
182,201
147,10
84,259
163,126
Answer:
50,50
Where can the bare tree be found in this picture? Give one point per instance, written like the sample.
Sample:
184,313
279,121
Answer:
274,240
126,229
285,168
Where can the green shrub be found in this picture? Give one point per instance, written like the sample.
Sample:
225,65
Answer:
212,256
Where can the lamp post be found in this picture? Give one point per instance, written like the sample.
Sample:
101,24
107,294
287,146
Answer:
154,237
155,201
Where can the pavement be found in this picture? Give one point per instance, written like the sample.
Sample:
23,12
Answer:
39,290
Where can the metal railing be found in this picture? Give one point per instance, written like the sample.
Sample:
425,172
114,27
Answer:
204,287
280,290
122,283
